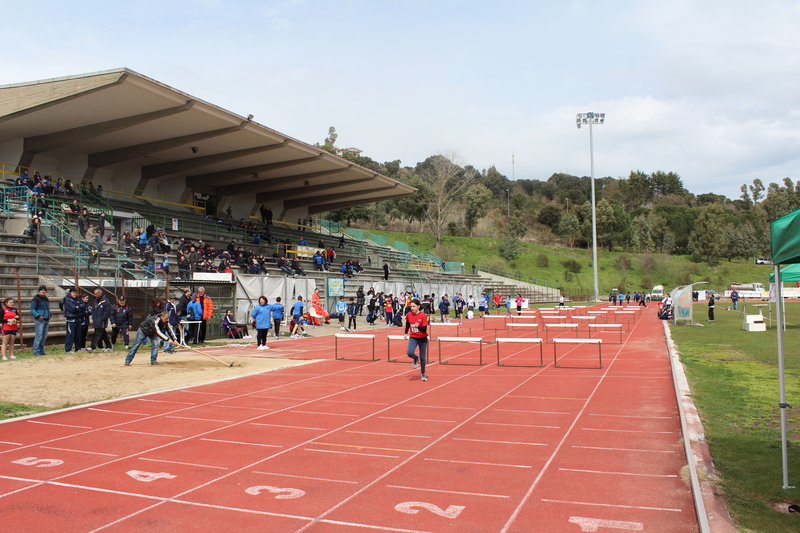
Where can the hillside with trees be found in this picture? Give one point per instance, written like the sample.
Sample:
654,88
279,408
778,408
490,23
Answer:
643,212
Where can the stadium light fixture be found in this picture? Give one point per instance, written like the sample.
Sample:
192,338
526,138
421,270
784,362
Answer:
592,118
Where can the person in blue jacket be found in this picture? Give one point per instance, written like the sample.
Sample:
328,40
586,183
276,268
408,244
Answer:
444,308
40,309
194,313
277,315
262,313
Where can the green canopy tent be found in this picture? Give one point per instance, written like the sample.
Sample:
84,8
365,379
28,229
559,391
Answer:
788,273
785,245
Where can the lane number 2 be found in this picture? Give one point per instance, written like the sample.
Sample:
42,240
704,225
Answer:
451,512
39,463
282,494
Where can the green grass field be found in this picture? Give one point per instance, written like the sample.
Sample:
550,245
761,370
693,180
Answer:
734,380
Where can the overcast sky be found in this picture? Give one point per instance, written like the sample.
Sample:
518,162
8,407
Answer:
708,89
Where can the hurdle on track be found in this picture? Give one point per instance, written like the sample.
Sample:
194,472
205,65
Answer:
526,327
552,327
447,325
540,342
478,340
628,316
352,336
598,342
389,339
555,318
606,328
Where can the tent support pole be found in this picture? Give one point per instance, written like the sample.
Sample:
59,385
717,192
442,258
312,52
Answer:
781,379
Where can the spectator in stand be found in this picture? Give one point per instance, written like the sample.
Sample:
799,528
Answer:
283,264
386,270
148,262
10,325
40,309
229,213
302,241
83,221
121,321
331,255
298,270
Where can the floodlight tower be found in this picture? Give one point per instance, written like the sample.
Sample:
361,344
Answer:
592,118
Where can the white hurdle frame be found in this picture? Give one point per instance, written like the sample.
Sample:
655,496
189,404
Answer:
540,342
611,328
389,339
479,340
512,325
557,341
351,336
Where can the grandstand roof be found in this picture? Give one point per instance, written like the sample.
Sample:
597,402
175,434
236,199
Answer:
121,125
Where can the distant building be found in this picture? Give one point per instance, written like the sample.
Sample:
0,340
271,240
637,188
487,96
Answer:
351,150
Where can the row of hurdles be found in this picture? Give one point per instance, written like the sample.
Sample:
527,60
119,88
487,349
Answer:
553,325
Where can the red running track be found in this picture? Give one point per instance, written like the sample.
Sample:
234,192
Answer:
340,446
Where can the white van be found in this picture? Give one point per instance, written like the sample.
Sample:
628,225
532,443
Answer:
657,294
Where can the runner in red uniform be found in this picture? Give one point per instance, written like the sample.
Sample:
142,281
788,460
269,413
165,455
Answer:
417,325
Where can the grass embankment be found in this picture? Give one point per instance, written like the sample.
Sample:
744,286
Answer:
618,269
734,379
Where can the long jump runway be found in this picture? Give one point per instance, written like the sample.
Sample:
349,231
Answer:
363,445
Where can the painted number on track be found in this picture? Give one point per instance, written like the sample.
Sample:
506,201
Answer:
451,512
282,494
147,477
39,463
594,524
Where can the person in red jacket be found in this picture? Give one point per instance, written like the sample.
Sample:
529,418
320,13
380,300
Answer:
417,335
10,324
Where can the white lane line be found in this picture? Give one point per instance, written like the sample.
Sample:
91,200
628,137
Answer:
628,431
352,453
283,426
118,412
359,403
79,451
476,463
615,473
204,392
416,419
242,407
54,424
180,463
245,443
503,442
536,412
516,425
307,477
442,407
636,416
145,433
282,397
447,491
200,419
390,434
165,401
615,505
623,449
12,443
321,413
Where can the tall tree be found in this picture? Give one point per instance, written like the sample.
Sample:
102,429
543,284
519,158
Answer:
478,197
446,181
709,241
569,227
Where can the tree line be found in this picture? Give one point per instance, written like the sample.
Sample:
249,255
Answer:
641,212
